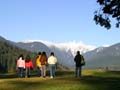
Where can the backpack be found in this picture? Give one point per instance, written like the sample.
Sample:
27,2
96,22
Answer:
82,61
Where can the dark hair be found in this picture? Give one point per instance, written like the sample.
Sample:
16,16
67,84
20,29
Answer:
21,55
39,53
78,52
52,53
43,53
27,59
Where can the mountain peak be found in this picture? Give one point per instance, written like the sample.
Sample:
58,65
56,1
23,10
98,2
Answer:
73,46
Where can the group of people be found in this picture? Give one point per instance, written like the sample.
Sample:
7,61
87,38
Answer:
41,63
26,64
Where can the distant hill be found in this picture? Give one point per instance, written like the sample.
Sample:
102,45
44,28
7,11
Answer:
64,58
34,47
104,57
2,39
9,54
65,52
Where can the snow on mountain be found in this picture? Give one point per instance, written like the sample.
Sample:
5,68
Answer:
72,47
99,49
65,52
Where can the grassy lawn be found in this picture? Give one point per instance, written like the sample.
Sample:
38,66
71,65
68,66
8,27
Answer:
64,80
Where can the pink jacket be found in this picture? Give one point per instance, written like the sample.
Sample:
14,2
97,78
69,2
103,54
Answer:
20,63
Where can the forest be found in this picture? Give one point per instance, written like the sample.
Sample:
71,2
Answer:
9,55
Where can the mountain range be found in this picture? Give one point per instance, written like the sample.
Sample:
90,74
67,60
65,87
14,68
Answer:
65,52
102,57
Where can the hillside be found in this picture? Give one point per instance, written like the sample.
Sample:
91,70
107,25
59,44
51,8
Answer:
102,57
65,52
9,54
107,57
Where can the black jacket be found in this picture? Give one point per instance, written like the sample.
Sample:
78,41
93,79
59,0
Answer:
77,60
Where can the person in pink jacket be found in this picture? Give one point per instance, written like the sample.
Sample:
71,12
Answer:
28,65
20,65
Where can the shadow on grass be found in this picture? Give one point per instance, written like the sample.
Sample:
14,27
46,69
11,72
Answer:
64,73
8,76
102,83
107,73
108,80
95,81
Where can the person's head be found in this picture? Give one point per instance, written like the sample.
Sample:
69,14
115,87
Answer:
44,53
52,54
21,56
78,52
39,53
28,58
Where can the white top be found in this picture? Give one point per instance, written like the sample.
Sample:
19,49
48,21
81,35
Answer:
52,60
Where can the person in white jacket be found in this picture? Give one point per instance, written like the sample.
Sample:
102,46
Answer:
52,60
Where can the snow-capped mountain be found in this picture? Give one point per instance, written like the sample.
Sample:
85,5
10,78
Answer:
95,57
72,47
65,52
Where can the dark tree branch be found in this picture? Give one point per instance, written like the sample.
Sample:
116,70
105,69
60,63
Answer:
108,8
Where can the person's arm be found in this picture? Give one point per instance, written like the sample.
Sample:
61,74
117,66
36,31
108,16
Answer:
31,64
75,59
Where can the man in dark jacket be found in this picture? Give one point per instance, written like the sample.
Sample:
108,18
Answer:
78,68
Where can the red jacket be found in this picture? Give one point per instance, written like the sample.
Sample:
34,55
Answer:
29,64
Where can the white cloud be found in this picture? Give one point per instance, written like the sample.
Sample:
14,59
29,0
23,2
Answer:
73,46
106,45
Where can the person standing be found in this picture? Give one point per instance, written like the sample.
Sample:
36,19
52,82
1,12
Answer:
43,61
38,64
78,62
20,65
28,65
52,60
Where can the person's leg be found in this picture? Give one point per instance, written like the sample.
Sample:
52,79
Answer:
44,70
80,70
42,73
76,72
19,72
53,70
50,70
38,71
26,72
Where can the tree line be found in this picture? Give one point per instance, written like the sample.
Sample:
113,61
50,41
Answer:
9,55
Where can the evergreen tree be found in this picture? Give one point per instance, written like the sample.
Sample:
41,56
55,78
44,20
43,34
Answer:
9,55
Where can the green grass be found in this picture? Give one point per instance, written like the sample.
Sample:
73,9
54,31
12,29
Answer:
64,80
